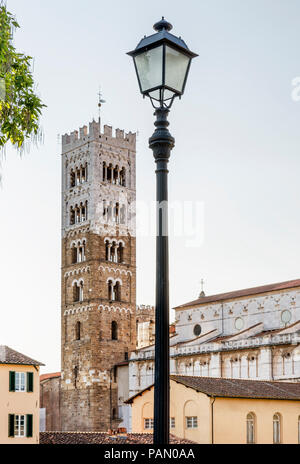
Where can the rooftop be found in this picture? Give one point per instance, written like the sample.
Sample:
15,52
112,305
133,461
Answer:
236,388
242,293
50,376
99,438
9,356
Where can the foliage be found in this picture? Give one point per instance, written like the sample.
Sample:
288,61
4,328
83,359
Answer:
20,107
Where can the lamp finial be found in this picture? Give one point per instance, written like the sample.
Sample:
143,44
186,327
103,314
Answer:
162,24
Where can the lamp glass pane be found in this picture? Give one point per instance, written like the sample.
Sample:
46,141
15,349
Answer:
168,94
155,94
149,68
176,68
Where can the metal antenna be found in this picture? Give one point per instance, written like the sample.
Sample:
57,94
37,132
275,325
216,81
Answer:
100,101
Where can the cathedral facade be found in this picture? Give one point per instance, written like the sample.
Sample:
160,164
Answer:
99,316
247,334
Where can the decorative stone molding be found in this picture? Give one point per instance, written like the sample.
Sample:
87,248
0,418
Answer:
79,310
115,270
75,272
114,309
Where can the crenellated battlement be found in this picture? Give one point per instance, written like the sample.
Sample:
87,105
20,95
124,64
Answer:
145,308
93,133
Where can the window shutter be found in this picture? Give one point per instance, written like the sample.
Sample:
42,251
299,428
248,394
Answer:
12,381
29,425
30,382
11,425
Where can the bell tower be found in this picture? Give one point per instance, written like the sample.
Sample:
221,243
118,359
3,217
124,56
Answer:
98,308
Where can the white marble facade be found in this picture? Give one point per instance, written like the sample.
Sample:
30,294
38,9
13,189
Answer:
253,336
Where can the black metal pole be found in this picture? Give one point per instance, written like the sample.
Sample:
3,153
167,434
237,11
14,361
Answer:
162,143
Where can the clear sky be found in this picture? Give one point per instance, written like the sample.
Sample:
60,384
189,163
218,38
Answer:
237,149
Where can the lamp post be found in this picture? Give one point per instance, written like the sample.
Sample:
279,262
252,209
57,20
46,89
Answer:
162,63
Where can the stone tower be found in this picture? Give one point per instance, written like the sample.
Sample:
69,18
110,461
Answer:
98,316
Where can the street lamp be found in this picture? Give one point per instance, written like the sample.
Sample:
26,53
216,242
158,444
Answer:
162,63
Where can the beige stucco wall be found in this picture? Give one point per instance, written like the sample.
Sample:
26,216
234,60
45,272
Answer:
184,402
229,417
234,411
18,403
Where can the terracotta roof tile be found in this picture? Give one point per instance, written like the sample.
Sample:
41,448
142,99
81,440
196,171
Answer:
72,438
49,376
9,356
237,388
242,293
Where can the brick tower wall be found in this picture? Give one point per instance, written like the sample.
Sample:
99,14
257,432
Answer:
89,397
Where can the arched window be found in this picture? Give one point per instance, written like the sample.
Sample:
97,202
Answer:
122,215
72,217
78,292
83,213
114,414
107,250
117,213
78,330
123,177
250,428
116,175
114,330
78,177
120,253
72,179
110,173
74,254
117,291
81,253
110,291
113,253
83,174
276,428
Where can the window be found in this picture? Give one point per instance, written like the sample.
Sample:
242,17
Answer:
78,292
250,428
117,292
276,428
197,330
19,426
191,422
148,424
172,423
114,330
20,382
78,330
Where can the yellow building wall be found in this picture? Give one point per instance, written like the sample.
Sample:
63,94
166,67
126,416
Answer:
184,402
18,403
230,416
234,412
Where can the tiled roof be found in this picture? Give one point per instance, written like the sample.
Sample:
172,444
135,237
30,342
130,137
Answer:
228,337
50,376
237,388
73,438
9,356
242,293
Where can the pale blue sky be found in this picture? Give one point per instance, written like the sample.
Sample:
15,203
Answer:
237,148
